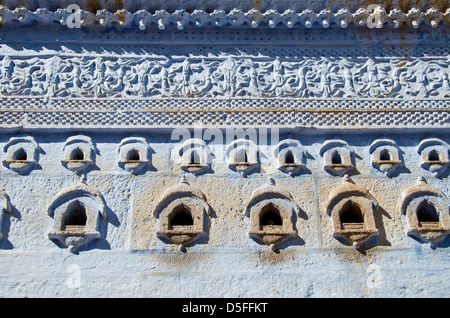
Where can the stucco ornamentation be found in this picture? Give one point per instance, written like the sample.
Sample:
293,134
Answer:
22,154
272,212
77,213
386,156
234,13
243,156
79,154
291,156
435,155
183,214
352,209
427,212
134,153
338,157
162,76
194,156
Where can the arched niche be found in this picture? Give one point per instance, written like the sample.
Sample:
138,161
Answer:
385,156
134,154
427,212
194,156
352,209
78,154
77,213
22,154
338,157
435,155
291,156
183,214
242,156
272,212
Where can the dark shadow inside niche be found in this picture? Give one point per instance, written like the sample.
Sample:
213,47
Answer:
5,244
351,213
270,217
289,158
133,155
181,216
77,154
20,155
385,155
427,214
336,158
75,216
433,155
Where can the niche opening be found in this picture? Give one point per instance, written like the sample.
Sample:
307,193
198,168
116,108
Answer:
270,218
77,154
433,155
241,156
74,217
336,158
133,155
385,155
289,158
351,216
427,214
20,155
194,158
181,218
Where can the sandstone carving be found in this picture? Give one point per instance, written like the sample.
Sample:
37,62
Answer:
352,209
183,214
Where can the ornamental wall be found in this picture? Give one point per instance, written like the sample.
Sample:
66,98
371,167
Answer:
224,154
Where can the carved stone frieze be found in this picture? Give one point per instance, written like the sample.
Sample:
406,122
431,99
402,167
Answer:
232,77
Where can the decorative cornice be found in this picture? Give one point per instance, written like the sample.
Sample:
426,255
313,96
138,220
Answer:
372,17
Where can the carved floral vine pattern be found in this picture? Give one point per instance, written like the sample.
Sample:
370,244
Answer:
313,77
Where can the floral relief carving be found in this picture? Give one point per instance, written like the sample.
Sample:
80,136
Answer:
157,76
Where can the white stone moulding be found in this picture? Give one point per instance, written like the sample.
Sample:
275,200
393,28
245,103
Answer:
386,156
290,17
434,154
243,156
134,154
78,154
22,154
155,76
338,157
290,156
194,156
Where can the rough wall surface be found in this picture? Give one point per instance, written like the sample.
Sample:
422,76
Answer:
148,85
